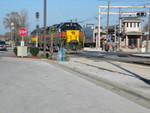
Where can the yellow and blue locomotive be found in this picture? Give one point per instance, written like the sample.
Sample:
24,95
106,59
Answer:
66,35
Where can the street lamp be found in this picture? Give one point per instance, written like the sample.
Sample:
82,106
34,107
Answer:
12,28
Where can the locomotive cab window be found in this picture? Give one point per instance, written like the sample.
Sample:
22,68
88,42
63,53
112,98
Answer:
70,26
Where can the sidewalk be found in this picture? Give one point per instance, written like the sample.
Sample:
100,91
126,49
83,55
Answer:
34,86
132,76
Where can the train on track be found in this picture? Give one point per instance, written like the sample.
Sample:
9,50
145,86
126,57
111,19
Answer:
91,34
66,35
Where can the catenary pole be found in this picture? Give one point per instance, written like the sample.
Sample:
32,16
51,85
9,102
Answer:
108,11
99,30
148,29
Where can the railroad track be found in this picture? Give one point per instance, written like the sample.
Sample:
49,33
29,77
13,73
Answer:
127,58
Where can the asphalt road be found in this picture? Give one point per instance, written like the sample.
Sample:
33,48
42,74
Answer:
7,53
35,86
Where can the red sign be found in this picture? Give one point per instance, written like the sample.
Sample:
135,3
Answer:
22,31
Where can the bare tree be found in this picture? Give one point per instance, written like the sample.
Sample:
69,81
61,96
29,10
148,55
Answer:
19,20
12,17
24,18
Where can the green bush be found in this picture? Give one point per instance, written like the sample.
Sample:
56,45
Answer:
34,51
15,50
45,55
42,55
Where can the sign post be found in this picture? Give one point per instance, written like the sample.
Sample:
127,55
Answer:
22,32
22,50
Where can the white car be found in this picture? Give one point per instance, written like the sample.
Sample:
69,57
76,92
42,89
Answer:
3,45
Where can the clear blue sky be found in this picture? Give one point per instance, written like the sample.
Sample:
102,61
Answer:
61,10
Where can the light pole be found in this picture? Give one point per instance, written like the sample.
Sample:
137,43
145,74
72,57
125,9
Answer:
12,27
45,3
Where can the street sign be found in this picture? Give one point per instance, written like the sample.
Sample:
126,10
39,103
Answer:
22,31
109,37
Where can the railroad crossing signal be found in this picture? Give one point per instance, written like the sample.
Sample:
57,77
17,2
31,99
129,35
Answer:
141,14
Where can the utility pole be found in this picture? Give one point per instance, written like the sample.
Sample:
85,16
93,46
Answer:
37,27
120,27
52,38
45,3
148,29
108,16
108,11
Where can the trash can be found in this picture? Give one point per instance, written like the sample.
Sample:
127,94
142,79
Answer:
61,54
143,48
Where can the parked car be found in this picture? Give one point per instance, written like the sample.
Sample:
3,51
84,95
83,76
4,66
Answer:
3,45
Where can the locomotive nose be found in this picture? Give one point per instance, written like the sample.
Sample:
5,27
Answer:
74,41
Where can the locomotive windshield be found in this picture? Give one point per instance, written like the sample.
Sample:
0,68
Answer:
33,32
70,26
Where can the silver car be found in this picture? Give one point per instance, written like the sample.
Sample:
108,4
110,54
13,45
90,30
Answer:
3,45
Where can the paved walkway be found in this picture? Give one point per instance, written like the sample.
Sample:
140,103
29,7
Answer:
32,86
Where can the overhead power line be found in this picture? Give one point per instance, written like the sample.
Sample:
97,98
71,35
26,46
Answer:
88,19
144,4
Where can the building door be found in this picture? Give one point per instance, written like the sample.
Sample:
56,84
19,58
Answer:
133,41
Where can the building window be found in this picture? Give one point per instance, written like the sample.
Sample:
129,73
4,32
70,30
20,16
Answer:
138,24
134,24
127,24
131,24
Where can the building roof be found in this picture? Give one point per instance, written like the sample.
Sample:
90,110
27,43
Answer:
133,33
132,19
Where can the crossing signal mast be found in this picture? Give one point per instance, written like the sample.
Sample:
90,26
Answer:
139,14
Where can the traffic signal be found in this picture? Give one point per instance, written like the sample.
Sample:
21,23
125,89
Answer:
122,36
141,14
37,15
37,26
